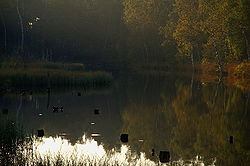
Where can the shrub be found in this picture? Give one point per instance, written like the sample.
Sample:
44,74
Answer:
242,70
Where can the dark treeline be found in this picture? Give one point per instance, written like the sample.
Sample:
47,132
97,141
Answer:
60,30
134,31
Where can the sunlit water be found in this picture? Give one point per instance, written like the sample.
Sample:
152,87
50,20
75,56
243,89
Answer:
54,151
193,120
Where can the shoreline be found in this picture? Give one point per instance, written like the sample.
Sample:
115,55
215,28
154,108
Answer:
52,75
237,75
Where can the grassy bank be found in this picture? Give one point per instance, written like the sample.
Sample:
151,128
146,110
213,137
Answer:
43,65
51,75
236,74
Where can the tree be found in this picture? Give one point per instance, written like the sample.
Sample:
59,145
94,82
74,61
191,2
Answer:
144,19
21,25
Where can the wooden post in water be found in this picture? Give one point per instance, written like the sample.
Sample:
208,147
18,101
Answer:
40,133
124,138
164,156
5,111
231,139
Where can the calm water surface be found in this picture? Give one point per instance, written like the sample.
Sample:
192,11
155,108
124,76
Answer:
190,119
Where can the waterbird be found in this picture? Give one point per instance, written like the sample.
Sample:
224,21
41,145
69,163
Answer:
37,19
55,109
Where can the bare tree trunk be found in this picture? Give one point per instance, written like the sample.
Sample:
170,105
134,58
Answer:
105,43
229,47
19,108
146,52
220,68
21,25
192,84
48,90
218,59
247,45
219,63
146,48
216,92
247,101
246,108
5,32
192,59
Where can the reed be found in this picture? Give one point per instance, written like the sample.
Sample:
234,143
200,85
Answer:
53,78
43,65
11,136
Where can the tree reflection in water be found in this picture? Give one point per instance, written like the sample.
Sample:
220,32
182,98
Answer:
158,114
192,122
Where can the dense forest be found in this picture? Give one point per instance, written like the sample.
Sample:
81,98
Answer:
128,31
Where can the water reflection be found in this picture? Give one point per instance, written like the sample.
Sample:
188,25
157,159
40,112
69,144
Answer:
159,113
197,120
67,113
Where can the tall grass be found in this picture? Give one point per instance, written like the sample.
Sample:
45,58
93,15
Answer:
52,75
43,65
11,137
53,78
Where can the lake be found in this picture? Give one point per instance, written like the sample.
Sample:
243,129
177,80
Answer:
198,123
